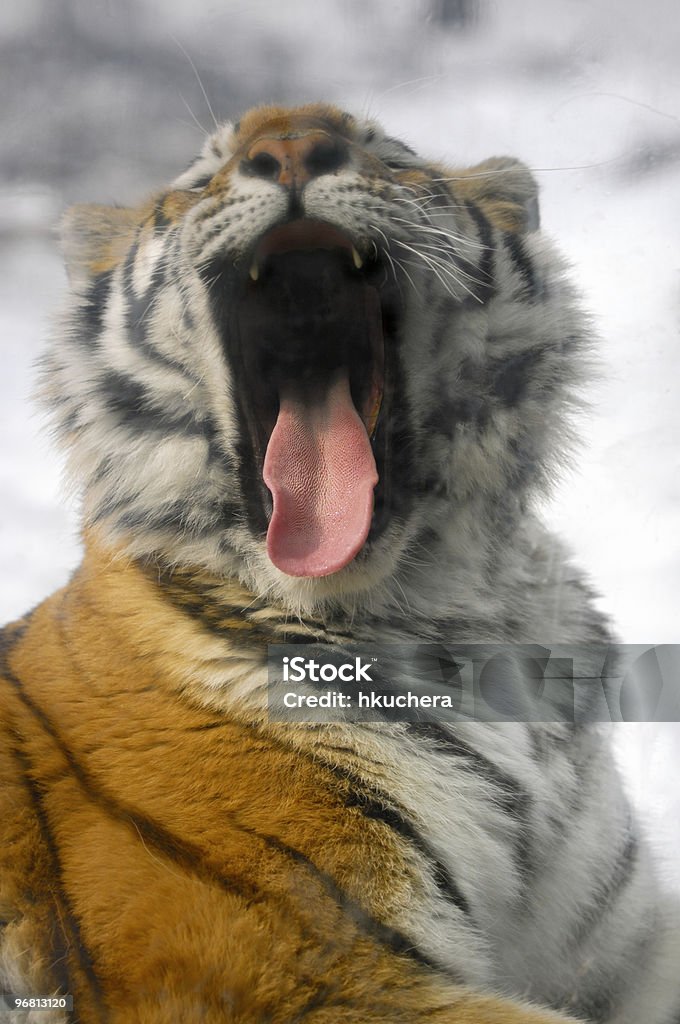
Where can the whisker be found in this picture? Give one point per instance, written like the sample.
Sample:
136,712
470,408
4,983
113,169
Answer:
448,263
203,130
443,233
391,260
429,200
198,79
445,284
442,272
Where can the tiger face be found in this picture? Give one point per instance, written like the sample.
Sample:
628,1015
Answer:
315,362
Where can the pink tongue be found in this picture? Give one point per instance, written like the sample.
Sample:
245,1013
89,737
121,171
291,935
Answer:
321,472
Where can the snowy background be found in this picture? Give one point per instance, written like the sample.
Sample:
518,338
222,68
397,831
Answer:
102,102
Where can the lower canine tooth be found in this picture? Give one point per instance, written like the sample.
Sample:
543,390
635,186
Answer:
358,262
254,271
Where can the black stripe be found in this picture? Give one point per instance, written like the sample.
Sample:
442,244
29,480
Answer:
65,919
178,582
176,849
485,287
106,464
208,726
131,401
287,635
66,934
608,892
510,377
376,807
192,857
196,598
445,419
139,310
387,936
379,806
70,424
521,260
447,311
89,314
160,220
180,517
112,506
177,516
511,792
196,601
9,638
512,798
201,182
467,404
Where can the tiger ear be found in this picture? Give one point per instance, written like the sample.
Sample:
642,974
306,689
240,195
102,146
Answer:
505,190
95,239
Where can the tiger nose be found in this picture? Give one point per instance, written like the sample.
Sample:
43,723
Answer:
292,162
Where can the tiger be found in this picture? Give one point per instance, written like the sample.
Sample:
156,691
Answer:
312,393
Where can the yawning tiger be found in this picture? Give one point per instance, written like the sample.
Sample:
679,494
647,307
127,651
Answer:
310,392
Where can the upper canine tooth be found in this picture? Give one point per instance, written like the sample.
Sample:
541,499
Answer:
254,271
358,262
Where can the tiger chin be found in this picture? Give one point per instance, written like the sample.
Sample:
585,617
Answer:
310,393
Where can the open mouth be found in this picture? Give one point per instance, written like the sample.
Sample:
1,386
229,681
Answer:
314,326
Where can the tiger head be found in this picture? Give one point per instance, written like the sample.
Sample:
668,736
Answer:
316,362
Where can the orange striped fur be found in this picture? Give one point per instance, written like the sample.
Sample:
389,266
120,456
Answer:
166,862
